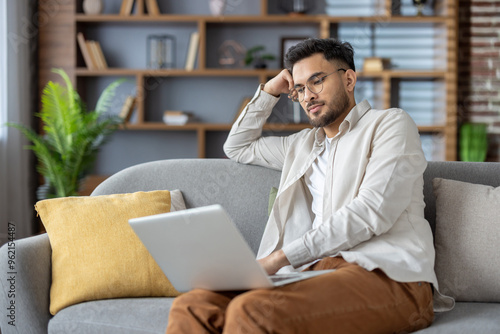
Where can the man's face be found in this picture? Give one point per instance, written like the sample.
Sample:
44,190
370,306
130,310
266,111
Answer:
332,103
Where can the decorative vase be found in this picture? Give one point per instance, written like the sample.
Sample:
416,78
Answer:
92,7
217,7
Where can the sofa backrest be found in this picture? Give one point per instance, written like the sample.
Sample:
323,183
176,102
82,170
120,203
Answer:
487,173
243,190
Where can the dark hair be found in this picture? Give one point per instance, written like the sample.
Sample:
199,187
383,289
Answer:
332,50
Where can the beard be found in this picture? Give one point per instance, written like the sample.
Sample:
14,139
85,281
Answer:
334,108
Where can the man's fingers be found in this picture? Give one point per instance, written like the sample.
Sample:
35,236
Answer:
282,83
288,77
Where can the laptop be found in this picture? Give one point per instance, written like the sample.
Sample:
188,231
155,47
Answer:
203,248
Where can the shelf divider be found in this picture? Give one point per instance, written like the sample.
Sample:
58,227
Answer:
140,98
202,52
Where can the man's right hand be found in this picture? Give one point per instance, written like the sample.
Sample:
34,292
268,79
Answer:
280,84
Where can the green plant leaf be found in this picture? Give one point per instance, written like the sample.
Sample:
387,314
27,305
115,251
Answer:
268,56
55,118
107,96
73,136
71,93
473,142
248,59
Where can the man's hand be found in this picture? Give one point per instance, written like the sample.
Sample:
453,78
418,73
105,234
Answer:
273,262
282,83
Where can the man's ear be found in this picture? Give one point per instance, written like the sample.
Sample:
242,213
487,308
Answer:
350,80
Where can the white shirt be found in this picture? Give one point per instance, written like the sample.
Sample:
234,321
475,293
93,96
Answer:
373,212
315,181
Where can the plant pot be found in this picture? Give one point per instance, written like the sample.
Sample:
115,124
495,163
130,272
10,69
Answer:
260,64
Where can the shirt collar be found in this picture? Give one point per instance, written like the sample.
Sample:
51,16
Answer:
355,114
320,137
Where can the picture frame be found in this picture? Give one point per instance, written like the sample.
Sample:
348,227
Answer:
286,43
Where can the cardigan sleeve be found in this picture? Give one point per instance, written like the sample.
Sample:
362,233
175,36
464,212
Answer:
245,143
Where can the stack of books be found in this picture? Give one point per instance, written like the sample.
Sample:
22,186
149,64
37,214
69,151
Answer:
92,53
176,117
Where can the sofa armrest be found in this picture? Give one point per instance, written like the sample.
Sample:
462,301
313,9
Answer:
25,285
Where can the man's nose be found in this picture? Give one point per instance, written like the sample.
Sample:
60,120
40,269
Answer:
309,96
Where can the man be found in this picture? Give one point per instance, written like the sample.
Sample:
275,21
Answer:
350,198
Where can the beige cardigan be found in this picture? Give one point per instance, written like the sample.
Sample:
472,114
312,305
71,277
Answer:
373,208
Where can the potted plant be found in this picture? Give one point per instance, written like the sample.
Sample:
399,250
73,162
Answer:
72,136
257,58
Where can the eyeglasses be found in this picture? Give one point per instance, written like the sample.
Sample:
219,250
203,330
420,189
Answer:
314,84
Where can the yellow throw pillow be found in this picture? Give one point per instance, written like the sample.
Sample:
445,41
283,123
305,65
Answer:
95,252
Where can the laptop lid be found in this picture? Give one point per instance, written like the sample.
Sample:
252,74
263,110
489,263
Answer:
201,248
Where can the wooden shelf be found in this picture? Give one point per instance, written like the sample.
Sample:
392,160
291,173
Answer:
208,126
226,127
84,72
201,129
271,19
175,72
403,74
432,128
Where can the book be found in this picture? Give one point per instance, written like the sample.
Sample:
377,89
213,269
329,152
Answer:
152,7
126,7
92,53
97,54
128,108
192,50
139,7
173,117
85,52
102,59
94,47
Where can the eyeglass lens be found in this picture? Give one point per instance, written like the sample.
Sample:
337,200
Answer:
314,84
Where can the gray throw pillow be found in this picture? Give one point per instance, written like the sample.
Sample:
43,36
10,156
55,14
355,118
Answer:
467,240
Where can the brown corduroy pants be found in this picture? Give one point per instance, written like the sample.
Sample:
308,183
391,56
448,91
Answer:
348,300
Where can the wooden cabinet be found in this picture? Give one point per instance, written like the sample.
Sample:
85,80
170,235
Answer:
398,86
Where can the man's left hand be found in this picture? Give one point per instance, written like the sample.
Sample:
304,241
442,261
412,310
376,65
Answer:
274,261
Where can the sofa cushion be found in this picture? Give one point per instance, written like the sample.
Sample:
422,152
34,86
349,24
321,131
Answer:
466,240
95,252
114,316
466,318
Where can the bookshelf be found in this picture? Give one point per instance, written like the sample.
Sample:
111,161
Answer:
387,87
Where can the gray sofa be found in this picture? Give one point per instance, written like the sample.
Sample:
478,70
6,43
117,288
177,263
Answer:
243,191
